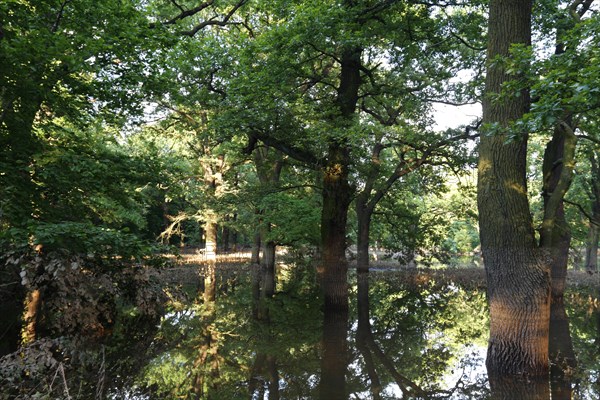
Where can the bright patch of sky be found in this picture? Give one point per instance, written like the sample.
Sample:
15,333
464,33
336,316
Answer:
448,116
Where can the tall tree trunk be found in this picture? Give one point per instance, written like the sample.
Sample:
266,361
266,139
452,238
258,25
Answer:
555,235
591,247
518,278
210,234
268,267
363,215
336,201
591,251
255,255
337,192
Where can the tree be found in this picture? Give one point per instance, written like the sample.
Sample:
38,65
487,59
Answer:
517,273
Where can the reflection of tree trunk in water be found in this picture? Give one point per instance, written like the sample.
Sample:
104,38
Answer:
265,365
562,355
263,278
367,346
207,364
364,333
334,357
210,283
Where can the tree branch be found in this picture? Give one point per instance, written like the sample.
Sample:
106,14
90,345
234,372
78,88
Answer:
590,218
215,22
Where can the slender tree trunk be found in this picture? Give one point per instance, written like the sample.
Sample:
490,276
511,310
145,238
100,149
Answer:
518,278
210,233
363,215
591,248
255,256
555,235
268,267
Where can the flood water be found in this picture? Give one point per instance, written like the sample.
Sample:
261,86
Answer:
402,338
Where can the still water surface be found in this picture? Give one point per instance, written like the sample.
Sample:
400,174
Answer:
400,339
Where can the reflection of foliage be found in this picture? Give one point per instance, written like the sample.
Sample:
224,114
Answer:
218,344
584,318
424,329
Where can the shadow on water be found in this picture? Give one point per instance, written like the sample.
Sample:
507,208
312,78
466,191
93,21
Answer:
402,337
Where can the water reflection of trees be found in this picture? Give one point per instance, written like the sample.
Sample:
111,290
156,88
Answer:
398,340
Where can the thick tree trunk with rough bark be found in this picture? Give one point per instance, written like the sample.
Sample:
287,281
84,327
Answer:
337,192
517,274
336,201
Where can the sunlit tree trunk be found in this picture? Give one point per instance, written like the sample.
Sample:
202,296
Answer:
518,278
30,316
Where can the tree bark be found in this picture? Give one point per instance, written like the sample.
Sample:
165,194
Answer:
210,232
337,192
561,352
255,256
33,303
517,275
268,267
555,235
363,215
591,251
591,248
